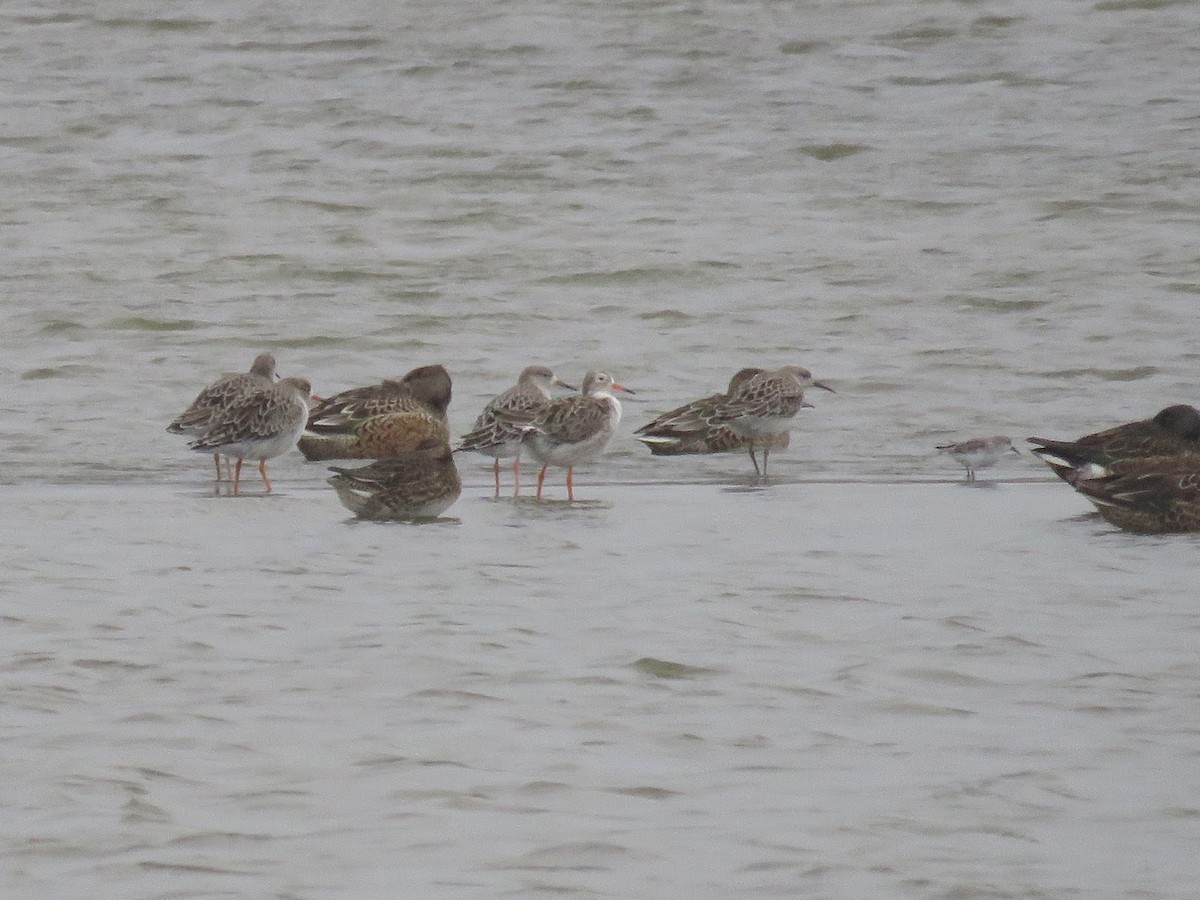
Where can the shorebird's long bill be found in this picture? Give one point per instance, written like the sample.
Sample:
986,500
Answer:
561,383
823,386
621,387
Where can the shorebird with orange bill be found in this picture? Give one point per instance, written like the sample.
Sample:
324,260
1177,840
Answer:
569,431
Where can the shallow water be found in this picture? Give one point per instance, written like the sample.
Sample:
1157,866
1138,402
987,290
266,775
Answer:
865,679
825,690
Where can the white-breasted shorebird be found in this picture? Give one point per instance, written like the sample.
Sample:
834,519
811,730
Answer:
568,431
263,424
763,407
689,429
222,393
496,434
979,453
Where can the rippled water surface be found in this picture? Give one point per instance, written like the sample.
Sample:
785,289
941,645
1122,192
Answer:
864,679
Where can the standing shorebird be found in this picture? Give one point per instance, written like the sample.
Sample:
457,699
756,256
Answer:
226,391
263,424
414,484
573,430
689,429
496,434
381,419
1173,431
763,407
979,453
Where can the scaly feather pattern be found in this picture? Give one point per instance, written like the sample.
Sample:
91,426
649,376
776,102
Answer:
419,483
496,432
764,406
572,430
690,428
382,419
264,424
227,391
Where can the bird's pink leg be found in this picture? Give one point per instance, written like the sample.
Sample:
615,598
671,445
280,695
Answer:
570,483
754,461
237,476
516,475
541,479
496,474
262,470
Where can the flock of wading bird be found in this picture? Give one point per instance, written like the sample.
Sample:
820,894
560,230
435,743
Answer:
1142,476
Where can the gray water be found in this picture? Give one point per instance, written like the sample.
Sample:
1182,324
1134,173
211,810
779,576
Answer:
863,679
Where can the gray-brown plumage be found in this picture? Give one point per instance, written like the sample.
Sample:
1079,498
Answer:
568,431
764,406
261,425
1170,432
382,419
419,483
979,453
497,434
220,395
1148,495
689,429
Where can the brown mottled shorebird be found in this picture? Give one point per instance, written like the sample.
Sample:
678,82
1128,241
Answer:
1147,494
1172,431
261,425
381,419
218,396
979,453
689,429
413,484
764,406
568,431
495,433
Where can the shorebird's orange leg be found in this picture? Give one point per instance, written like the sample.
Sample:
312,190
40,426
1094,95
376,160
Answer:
541,478
262,470
237,476
516,475
217,463
570,483
496,474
